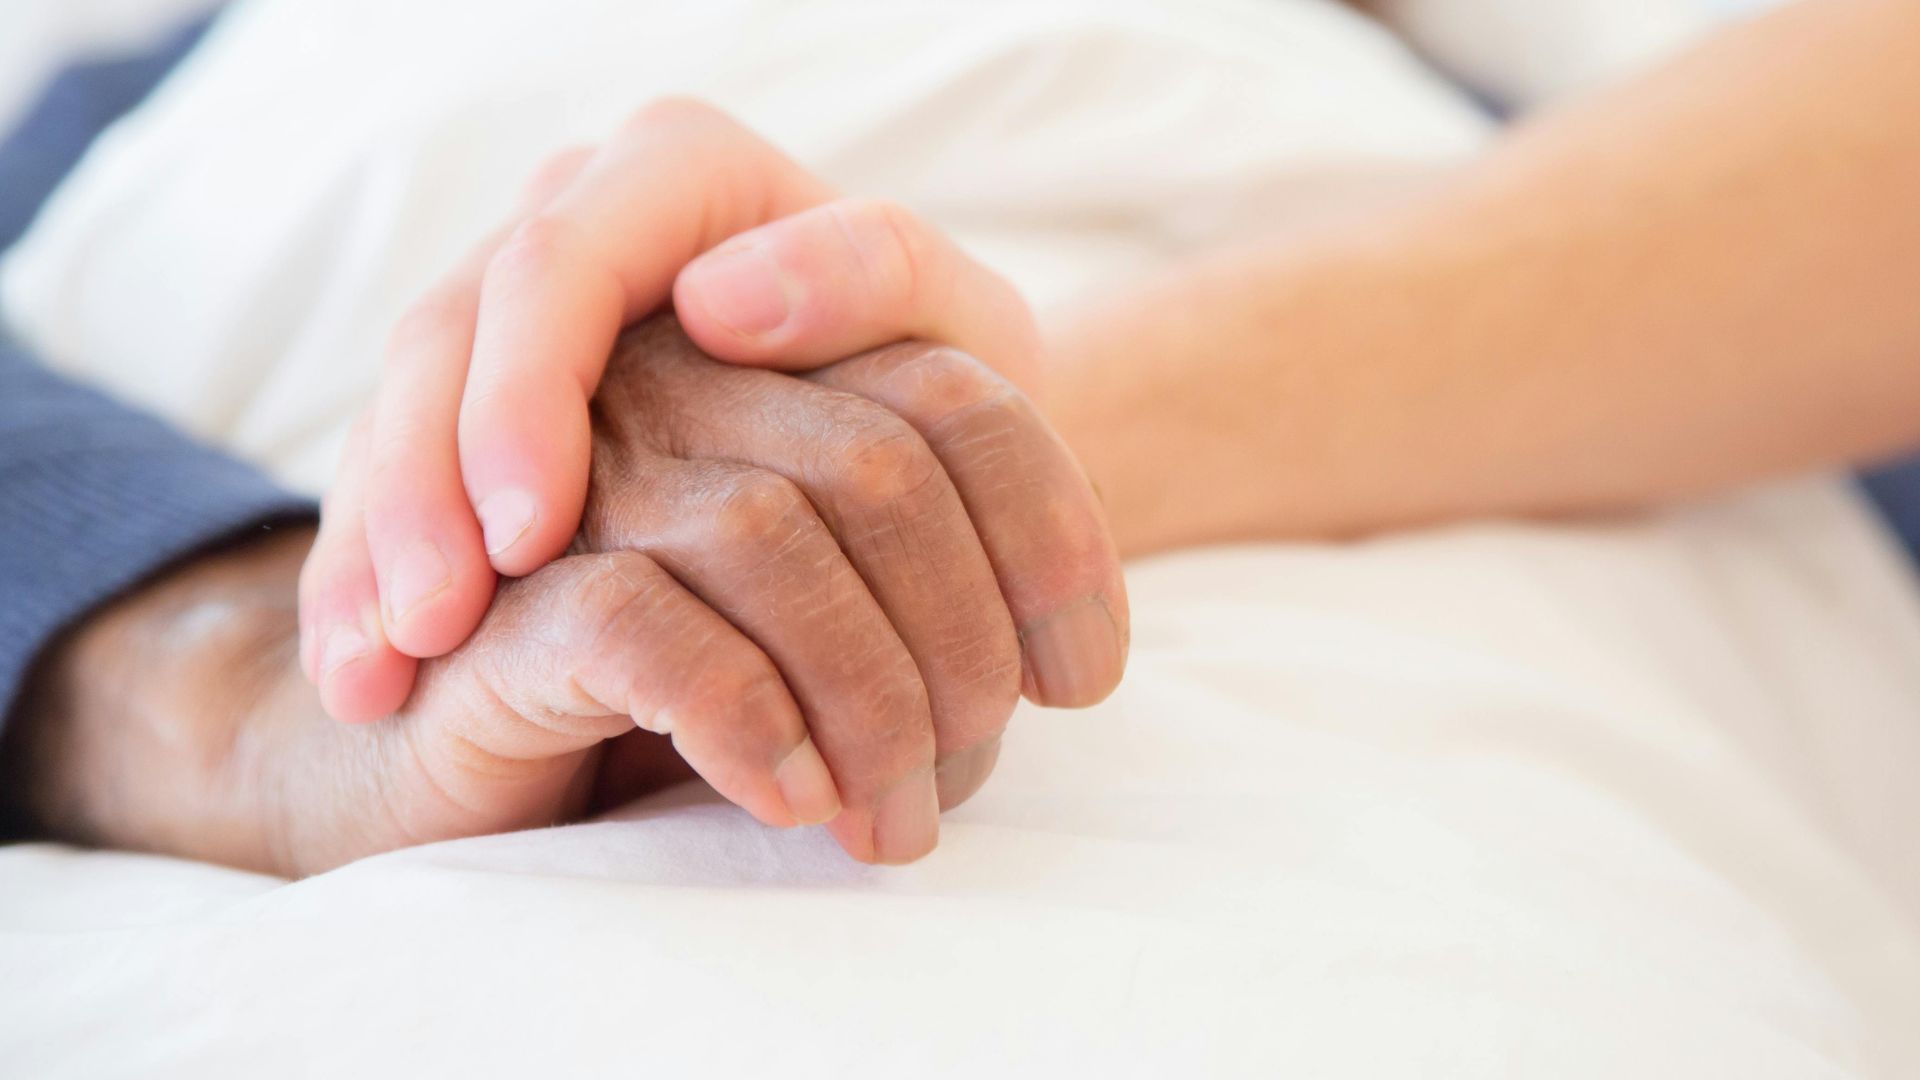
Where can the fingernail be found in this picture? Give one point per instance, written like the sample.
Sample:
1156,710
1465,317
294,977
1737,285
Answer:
743,289
505,516
1074,656
958,776
907,823
807,786
344,644
418,572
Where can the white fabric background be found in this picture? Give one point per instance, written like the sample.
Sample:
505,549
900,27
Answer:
1627,799
38,36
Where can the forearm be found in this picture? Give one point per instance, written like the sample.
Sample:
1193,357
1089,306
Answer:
1690,281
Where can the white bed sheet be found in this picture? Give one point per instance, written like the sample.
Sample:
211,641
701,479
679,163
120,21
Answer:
37,37
1628,799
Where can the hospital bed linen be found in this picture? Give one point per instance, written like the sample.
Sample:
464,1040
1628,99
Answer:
1579,801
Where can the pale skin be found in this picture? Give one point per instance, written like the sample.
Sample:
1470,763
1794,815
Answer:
1698,279
1692,280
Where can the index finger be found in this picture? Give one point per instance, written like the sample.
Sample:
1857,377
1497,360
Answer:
679,179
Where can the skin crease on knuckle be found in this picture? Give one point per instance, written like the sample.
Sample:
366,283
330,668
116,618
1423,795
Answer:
992,430
888,241
895,486
577,639
939,384
760,532
434,321
616,601
874,459
761,514
536,246
763,531
757,525
747,723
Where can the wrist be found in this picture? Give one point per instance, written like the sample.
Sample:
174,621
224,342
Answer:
128,730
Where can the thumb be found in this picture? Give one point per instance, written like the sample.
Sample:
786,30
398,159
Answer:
847,276
585,649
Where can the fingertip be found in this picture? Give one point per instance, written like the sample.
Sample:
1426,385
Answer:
429,605
736,303
906,823
806,786
958,776
526,474
853,831
523,533
362,680
506,516
1074,657
902,827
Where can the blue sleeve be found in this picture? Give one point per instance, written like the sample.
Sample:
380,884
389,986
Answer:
95,498
1895,489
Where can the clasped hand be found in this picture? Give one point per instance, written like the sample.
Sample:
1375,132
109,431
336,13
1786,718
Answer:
823,589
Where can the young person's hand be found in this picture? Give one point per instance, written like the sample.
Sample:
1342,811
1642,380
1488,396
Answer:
474,458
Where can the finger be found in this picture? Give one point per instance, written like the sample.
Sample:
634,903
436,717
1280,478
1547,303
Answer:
1035,512
749,544
592,647
850,275
890,506
344,650
434,577
678,179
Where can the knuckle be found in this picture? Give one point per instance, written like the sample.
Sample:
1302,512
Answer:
896,243
882,459
612,601
437,321
760,510
941,384
615,606
536,246
761,719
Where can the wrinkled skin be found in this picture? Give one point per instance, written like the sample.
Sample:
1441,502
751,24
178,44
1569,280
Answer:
872,560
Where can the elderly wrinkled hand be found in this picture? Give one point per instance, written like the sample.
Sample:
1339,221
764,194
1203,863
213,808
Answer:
856,573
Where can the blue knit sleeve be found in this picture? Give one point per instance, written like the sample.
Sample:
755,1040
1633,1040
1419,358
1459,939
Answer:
96,497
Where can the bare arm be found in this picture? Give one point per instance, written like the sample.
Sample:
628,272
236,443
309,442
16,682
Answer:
1697,279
